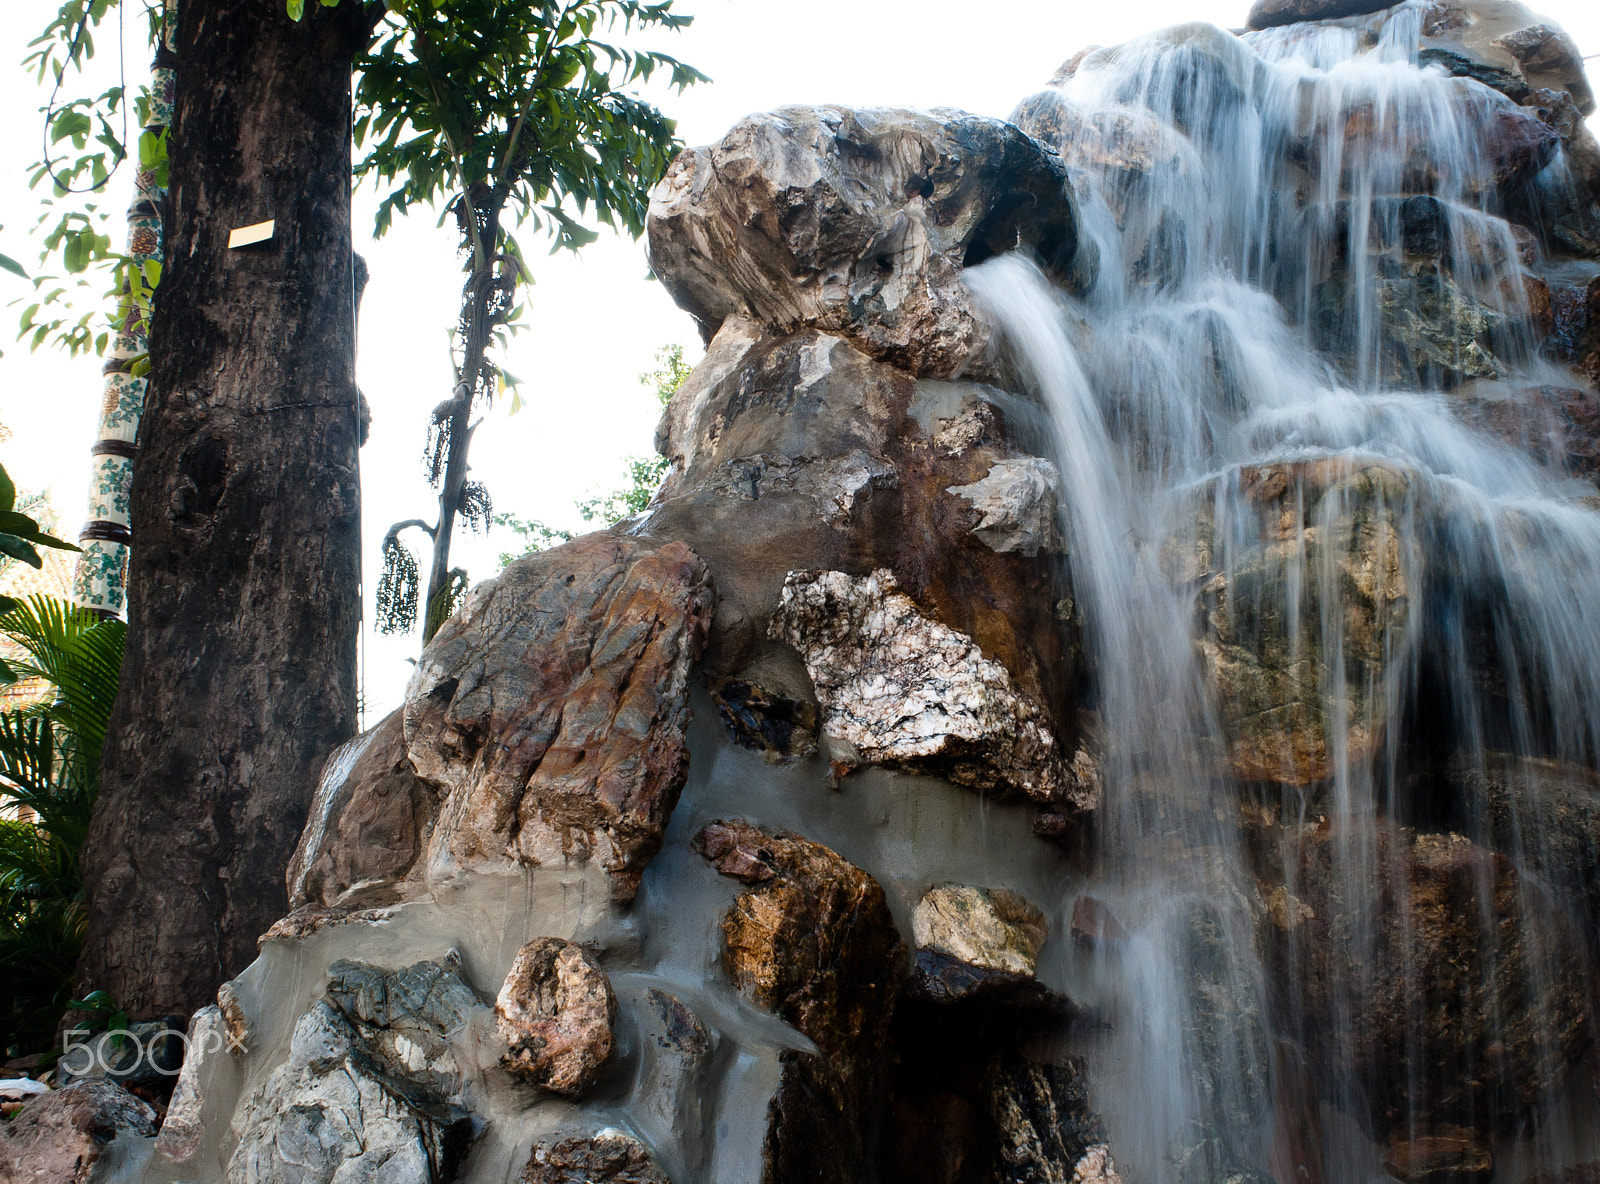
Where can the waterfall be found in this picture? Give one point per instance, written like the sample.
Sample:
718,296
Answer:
1341,628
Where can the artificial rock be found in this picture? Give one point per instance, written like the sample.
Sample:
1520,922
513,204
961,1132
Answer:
556,1011
858,221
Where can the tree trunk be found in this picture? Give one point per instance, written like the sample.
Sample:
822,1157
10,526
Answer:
240,672
474,348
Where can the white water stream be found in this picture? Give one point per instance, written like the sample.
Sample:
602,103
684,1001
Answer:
1438,586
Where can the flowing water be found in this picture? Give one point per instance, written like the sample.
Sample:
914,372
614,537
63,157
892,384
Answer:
1328,609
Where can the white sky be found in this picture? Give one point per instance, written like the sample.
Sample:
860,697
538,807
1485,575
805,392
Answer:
596,323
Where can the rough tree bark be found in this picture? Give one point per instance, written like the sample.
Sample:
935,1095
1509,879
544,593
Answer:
240,672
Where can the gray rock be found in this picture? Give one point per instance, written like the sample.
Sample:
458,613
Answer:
859,222
675,1104
73,1134
1017,506
331,1113
182,1131
557,1012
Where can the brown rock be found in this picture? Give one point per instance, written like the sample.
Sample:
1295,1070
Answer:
1094,925
60,1137
813,942
1272,688
550,709
857,221
609,1157
367,823
803,453
556,1011
1549,57
1264,14
1447,920
1443,1154
1559,426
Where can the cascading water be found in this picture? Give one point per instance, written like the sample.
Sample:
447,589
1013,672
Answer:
1341,630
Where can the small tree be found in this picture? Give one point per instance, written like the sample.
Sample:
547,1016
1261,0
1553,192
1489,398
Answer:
513,112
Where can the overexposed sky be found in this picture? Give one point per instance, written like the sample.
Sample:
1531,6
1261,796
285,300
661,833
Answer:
595,321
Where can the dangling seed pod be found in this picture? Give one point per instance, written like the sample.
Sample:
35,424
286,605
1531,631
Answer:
397,588
475,507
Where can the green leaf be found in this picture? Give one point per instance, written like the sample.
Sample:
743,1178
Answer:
9,264
18,548
8,490
297,9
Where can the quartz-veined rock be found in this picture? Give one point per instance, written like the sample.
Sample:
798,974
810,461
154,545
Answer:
609,1157
550,709
71,1135
813,941
1017,505
904,689
556,1011
858,221
802,452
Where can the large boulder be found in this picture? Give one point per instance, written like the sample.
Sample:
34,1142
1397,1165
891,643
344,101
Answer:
372,1088
812,940
1298,693
1373,957
1266,14
859,222
544,722
804,453
74,1135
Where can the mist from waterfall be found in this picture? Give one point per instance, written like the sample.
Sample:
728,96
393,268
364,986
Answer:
1256,478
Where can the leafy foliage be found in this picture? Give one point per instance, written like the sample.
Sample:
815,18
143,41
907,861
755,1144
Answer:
536,536
508,113
86,141
49,765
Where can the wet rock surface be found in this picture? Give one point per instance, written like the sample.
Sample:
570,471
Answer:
1442,1154
556,1011
857,221
1454,921
74,1134
1046,1130
813,942
1276,703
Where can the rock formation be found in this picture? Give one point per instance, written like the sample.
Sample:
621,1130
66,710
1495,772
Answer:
1108,687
